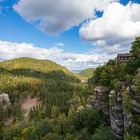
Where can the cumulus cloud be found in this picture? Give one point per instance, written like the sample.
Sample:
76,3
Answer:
114,31
73,61
110,34
55,16
9,50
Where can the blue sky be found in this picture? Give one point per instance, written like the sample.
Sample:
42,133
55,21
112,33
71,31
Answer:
15,28
75,40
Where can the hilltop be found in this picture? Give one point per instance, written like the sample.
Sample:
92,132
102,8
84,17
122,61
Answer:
31,65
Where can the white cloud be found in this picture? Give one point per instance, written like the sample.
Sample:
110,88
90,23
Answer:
110,34
114,31
9,50
55,16
60,44
73,61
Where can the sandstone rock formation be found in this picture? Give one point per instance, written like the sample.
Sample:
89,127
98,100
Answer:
98,99
116,114
4,98
123,110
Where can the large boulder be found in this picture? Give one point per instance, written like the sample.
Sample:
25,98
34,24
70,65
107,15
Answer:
4,98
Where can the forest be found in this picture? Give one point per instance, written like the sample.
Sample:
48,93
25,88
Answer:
63,110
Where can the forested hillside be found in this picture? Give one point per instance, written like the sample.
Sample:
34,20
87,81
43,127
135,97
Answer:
44,101
87,73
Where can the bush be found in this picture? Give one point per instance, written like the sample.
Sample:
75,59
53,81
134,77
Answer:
103,133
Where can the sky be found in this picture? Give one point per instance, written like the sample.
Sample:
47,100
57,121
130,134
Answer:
77,34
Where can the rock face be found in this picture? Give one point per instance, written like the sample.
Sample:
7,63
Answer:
132,113
123,110
4,98
116,114
97,100
28,104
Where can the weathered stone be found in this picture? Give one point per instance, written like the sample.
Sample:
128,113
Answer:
4,98
88,106
112,93
124,106
80,108
128,120
116,113
128,89
122,121
135,103
98,101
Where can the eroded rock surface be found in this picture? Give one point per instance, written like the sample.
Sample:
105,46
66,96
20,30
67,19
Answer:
116,114
28,104
97,100
123,110
4,98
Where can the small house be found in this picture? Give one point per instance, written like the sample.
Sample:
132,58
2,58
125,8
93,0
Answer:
124,57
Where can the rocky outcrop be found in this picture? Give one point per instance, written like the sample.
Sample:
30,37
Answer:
123,109
80,108
28,104
116,114
4,99
98,99
131,111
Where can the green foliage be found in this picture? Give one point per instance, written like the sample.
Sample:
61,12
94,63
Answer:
88,118
96,78
52,136
112,99
137,83
134,64
83,135
53,84
54,112
132,138
127,102
106,75
77,126
33,65
12,132
103,133
88,73
39,130
135,50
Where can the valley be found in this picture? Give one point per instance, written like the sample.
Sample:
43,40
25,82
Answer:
41,100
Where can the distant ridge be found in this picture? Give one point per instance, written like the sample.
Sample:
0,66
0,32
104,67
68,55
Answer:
27,63
88,73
